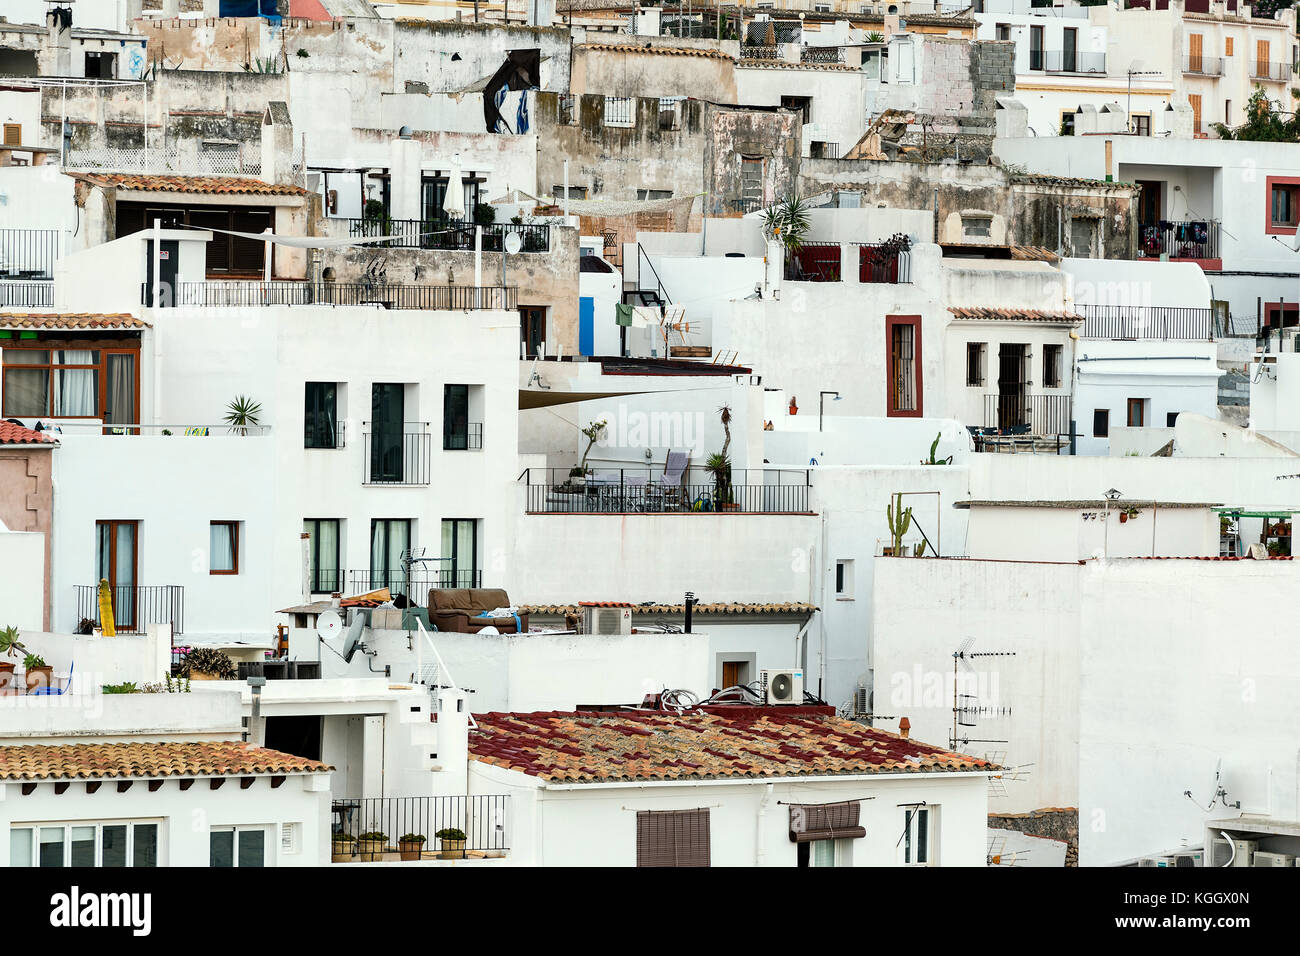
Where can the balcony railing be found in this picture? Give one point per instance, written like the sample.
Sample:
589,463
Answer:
744,205
28,255
134,607
1146,322
416,582
1064,61
237,294
878,263
325,434
27,295
814,262
644,490
469,438
1039,416
449,234
821,54
394,457
1203,65
481,817
1277,72
760,51
328,580
1189,239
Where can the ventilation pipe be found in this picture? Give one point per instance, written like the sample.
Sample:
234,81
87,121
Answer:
691,601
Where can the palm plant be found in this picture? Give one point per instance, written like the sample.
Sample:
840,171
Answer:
242,414
787,223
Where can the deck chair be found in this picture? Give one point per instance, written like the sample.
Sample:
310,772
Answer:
56,691
675,466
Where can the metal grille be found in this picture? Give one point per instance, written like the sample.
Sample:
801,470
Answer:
28,255
904,368
450,234
620,111
1146,322
397,458
28,295
482,818
135,608
1018,413
287,292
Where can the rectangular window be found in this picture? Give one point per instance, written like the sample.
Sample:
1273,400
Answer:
1003,31
1035,48
326,576
70,383
1261,58
459,565
1052,366
1101,423
1136,412
620,111
237,846
975,358
1195,53
1227,112
1283,205
918,836
976,227
390,546
844,580
119,844
223,552
458,432
101,66
1227,46
672,837
1067,122
116,561
320,416
1171,419
575,192
532,329
904,374
735,673
751,182
646,194
1142,124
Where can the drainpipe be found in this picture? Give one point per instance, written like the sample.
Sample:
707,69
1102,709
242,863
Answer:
256,728
760,836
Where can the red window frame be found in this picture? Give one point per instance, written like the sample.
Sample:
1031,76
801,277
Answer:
892,322
1269,228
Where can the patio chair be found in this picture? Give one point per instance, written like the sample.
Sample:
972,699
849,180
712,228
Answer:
675,466
56,691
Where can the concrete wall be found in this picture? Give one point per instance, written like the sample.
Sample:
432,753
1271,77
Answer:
27,505
23,582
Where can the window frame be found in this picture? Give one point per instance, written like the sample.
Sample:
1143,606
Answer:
893,322
451,563
1101,423
312,432
1292,184
102,352
979,352
68,825
17,136
1141,405
1053,364
234,537
680,823
388,574
314,531
919,820
268,859
1138,124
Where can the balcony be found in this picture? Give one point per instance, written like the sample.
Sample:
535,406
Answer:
760,51
482,818
26,295
239,294
814,262
821,54
1194,65
1132,322
743,206
135,607
395,457
882,263
1188,239
449,234
1073,61
469,438
1275,72
1024,414
28,255
644,491
823,262
415,582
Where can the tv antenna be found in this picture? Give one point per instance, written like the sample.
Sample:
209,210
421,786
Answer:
997,853
1220,793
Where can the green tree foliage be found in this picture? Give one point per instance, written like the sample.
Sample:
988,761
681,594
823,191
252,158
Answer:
1265,122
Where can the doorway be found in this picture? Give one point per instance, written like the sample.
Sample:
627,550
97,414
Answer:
117,561
387,420
1011,385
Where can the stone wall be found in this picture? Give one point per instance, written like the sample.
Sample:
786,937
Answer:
1052,823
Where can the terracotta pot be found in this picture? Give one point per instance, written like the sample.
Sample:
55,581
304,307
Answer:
203,675
452,850
1123,516
7,685
410,850
371,850
38,677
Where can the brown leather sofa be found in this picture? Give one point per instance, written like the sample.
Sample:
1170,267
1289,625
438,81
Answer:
458,610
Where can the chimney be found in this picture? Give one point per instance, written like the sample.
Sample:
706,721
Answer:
905,728
277,144
56,49
690,603
1110,146
452,747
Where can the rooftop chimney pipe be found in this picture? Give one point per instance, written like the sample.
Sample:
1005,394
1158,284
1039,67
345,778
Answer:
690,603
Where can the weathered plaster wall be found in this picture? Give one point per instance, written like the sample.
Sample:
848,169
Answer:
27,500
736,133
1042,212
632,70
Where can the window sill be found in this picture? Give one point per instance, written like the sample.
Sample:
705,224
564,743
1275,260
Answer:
841,597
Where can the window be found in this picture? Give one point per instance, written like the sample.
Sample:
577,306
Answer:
1227,46
751,180
823,853
672,837
975,358
1052,366
228,254
976,227
69,383
1283,207
390,543
904,379
1136,412
918,842
320,416
799,104
223,551
1070,49
101,66
116,562
113,844
326,576
1227,112
1261,58
13,134
1101,423
568,109
1195,53
1171,419
575,192
654,194
1035,48
1142,124
532,329
237,846
458,432
620,111
1067,122
1003,31
844,580
735,673
459,565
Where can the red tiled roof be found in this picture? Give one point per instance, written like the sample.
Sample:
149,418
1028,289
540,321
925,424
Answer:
11,434
70,320
719,607
756,742
229,185
1032,315
88,761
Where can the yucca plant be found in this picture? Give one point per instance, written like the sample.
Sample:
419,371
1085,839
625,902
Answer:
242,414
787,222
209,660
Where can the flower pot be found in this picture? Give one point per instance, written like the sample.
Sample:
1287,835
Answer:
341,851
7,685
729,506
203,675
1123,516
38,677
410,849
371,850
451,850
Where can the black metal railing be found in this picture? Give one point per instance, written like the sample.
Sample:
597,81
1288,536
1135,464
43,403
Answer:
239,294
760,51
394,457
1146,322
1063,61
1018,413
821,54
135,607
449,234
1186,239
468,438
416,582
481,817
744,205
279,670
1264,70
332,434
815,262
1203,65
28,255
881,263
645,490
327,580
27,295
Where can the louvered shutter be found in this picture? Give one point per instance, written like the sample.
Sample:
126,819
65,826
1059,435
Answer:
672,838
810,822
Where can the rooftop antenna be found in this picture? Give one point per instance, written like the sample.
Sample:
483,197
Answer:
1219,793
998,855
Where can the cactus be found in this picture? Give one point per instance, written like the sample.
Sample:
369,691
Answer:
899,525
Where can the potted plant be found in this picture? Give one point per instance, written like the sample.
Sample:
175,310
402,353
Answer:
452,843
372,845
593,433
719,466
342,846
242,414
787,222
208,663
410,846
39,673
10,646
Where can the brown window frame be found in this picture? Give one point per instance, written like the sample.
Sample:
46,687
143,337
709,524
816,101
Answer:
673,838
100,366
13,134
1140,405
892,410
1053,365
1273,227
234,537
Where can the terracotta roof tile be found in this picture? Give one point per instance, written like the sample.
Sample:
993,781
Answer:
717,743
656,50
229,185
1019,315
93,761
720,607
11,434
70,320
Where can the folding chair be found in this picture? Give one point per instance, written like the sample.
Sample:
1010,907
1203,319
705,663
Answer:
53,691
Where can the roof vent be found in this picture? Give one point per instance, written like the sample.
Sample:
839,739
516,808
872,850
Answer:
404,133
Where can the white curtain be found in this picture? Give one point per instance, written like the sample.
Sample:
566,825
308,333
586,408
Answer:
222,546
75,389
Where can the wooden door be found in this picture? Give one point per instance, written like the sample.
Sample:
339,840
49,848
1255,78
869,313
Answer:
1195,48
1194,99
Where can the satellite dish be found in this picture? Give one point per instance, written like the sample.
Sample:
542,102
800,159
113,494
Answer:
329,625
352,640
513,243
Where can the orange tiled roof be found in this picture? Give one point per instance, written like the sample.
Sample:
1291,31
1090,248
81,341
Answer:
656,50
757,742
229,185
11,434
720,607
1031,315
90,761
70,320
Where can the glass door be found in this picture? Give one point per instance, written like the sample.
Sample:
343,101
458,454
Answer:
116,562
120,390
387,421
459,567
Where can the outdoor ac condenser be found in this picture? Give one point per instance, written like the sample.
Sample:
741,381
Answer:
607,620
782,686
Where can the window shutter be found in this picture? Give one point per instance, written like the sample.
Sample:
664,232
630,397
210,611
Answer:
248,255
218,254
672,838
13,134
810,822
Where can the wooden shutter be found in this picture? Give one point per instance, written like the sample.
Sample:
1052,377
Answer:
1195,48
248,255
13,134
810,822
1227,46
1261,58
1195,100
218,253
672,838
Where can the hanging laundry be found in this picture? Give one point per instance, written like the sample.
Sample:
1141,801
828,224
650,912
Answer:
623,314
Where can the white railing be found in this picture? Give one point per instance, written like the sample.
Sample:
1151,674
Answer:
169,159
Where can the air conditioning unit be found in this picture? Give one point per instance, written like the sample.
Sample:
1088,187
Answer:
1189,858
1161,861
1244,852
782,686
607,621
1264,858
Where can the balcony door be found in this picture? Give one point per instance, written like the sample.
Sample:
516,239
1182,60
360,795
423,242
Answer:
387,422
459,565
117,562
1070,50
1012,410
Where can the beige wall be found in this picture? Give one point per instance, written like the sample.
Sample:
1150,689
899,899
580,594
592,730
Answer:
27,499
